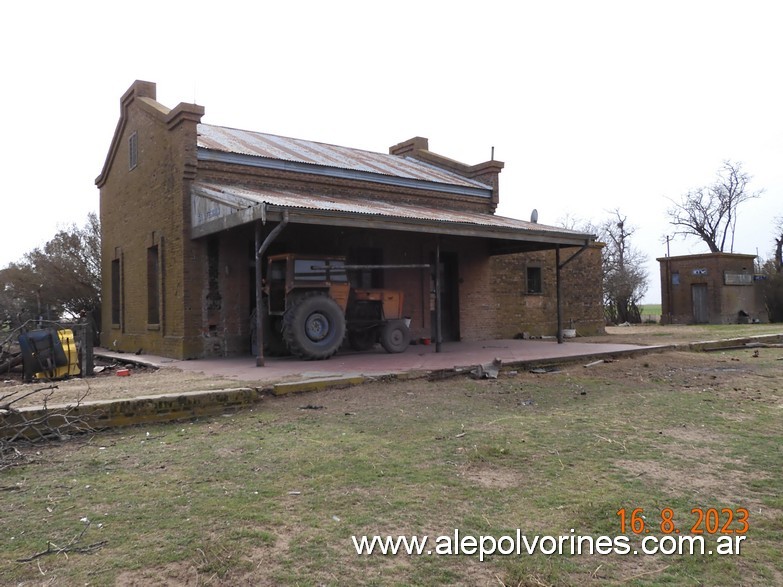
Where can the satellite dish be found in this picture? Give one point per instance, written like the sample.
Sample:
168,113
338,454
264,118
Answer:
534,216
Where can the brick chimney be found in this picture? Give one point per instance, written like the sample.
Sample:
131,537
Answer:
138,89
487,172
411,146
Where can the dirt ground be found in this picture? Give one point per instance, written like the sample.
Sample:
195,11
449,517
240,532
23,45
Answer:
147,381
106,385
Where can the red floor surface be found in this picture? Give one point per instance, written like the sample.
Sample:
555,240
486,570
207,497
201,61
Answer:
377,362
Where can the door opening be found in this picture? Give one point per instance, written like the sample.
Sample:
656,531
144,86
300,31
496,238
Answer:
449,296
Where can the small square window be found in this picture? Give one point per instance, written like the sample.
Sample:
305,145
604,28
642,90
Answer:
534,281
133,150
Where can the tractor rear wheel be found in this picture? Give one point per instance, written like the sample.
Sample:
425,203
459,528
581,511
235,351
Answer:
395,336
314,327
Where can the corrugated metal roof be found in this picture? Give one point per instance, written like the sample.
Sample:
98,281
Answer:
256,144
233,197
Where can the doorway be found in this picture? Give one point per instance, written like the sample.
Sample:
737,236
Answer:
449,297
701,312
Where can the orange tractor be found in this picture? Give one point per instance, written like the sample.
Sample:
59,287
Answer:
310,307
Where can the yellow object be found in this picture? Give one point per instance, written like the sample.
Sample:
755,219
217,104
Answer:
71,352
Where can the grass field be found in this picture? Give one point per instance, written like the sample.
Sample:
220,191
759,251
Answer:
651,311
273,496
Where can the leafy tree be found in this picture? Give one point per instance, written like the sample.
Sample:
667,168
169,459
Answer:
20,295
61,279
710,212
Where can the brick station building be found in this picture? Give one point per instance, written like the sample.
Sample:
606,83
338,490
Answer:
183,204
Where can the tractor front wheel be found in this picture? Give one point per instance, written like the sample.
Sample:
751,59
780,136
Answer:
314,327
395,336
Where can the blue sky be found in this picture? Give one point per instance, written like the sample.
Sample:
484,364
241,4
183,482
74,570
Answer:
593,106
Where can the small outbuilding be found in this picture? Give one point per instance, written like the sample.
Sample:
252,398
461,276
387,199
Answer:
711,288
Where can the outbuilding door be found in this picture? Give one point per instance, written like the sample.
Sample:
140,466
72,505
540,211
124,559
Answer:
701,312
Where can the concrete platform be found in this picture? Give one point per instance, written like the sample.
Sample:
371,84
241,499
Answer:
417,359
289,375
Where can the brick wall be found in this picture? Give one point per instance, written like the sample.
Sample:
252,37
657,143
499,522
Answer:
536,314
145,206
478,305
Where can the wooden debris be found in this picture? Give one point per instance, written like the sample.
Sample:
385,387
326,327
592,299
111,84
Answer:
594,363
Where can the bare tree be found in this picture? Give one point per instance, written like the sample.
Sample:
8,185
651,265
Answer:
710,212
625,280
779,245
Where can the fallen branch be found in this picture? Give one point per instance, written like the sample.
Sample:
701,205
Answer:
611,441
66,549
10,456
12,361
30,426
7,406
52,548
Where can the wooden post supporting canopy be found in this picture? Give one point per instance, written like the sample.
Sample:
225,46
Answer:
260,248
